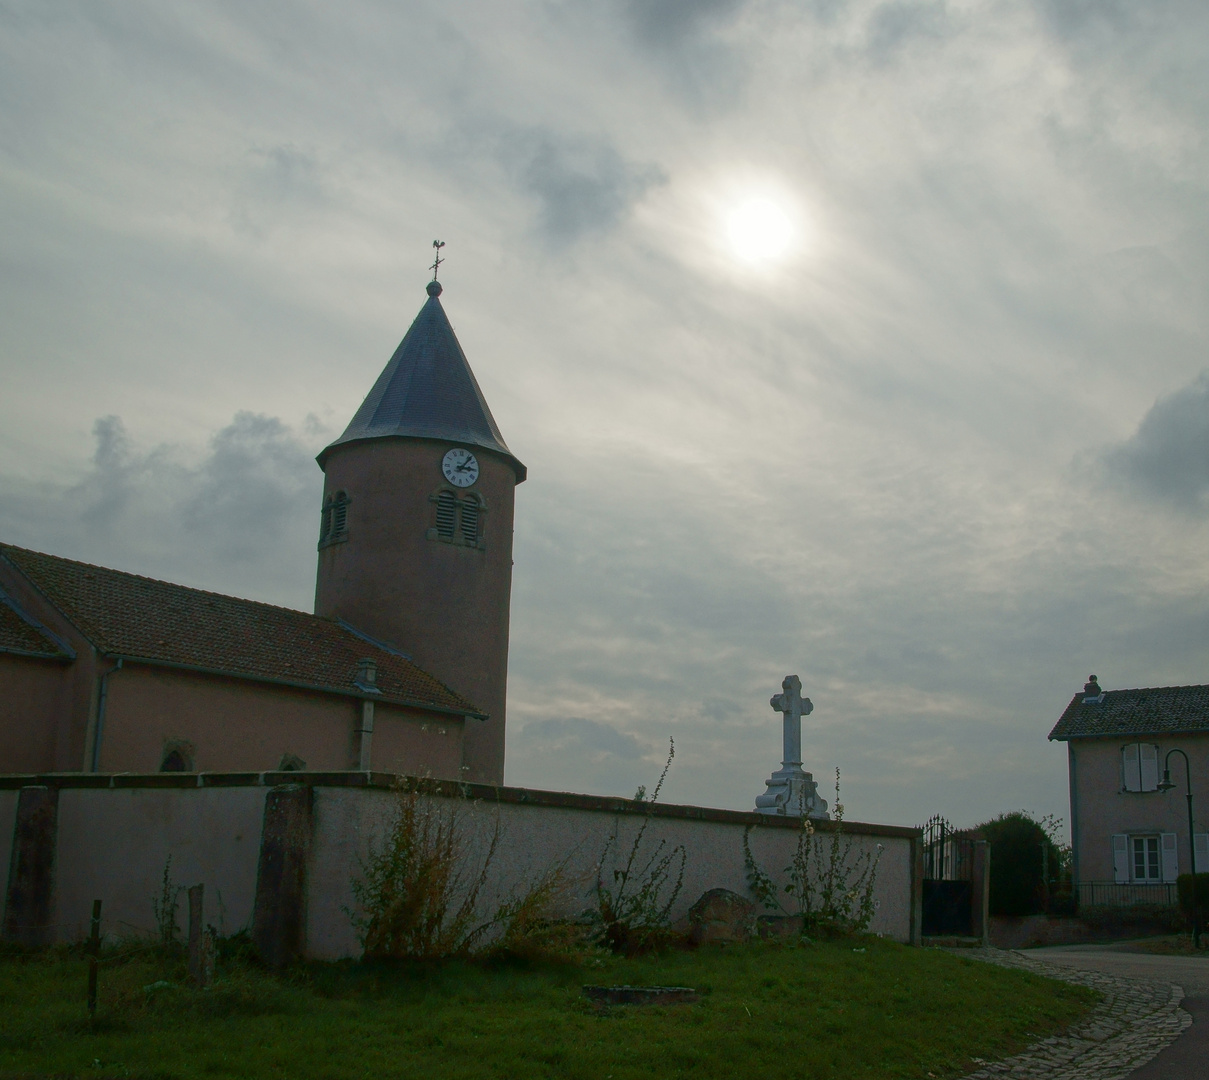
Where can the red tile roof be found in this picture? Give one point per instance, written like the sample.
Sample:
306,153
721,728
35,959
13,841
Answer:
18,634
141,618
1155,710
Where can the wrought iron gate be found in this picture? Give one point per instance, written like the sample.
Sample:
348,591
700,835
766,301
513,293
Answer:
948,893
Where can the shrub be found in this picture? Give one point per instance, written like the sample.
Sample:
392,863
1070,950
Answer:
1020,846
418,894
1183,886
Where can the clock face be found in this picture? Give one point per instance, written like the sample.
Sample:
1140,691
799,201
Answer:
460,466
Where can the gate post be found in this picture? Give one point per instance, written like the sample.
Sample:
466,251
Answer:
980,892
917,890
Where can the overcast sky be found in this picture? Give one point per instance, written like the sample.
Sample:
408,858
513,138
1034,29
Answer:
864,341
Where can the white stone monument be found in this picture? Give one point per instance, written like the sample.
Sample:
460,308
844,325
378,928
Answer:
792,792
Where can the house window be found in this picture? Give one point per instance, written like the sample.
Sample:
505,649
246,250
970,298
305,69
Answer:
333,522
458,518
1145,858
1140,767
177,756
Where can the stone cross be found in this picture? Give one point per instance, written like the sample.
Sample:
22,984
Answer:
791,791
794,706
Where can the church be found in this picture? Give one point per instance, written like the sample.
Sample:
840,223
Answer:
402,668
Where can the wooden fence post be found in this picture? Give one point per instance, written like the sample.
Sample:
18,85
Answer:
94,957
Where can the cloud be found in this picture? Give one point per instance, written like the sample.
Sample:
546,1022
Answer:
576,736
241,518
581,185
1167,458
670,22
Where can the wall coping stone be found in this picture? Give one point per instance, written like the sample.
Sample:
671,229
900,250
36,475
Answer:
449,788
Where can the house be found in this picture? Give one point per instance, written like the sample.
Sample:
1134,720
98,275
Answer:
1129,829
402,667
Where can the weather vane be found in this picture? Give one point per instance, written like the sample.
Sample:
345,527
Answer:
436,264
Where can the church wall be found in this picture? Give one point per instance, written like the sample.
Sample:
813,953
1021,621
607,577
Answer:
232,724
447,606
34,695
239,725
78,677
408,741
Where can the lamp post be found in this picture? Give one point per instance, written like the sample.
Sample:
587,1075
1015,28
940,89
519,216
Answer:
1166,785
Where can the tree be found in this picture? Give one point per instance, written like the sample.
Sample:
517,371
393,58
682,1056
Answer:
1022,852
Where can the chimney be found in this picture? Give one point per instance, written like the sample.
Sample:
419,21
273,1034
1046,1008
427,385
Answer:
367,676
1092,694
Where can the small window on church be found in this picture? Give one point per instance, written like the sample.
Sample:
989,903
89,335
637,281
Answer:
447,512
178,757
333,523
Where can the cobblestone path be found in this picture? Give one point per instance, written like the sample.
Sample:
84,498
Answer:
1137,1019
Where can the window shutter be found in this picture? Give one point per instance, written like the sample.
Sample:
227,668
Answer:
1200,845
325,521
447,512
1167,854
1131,767
340,515
1120,858
470,520
1149,770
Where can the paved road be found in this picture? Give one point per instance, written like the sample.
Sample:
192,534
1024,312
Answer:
1188,1057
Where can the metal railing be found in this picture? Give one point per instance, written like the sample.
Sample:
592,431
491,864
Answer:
1116,894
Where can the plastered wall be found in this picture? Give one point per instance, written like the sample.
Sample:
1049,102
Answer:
115,835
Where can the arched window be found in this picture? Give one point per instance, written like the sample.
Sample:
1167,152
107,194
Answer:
333,522
177,757
458,518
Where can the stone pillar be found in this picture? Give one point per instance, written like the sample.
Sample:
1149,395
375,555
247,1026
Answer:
279,913
29,900
980,893
917,891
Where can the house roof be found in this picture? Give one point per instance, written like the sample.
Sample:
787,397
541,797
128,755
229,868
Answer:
21,634
161,623
1155,710
427,391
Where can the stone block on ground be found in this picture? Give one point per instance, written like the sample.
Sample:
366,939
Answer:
720,915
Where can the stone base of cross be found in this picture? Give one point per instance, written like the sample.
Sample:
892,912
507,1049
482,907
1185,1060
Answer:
791,791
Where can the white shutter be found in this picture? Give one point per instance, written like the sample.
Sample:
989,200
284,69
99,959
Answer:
1200,844
1120,858
1149,778
1131,767
1167,856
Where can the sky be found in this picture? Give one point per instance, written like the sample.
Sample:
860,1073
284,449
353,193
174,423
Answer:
859,341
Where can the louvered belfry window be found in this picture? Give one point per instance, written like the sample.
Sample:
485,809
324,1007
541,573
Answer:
459,518
447,514
470,520
333,524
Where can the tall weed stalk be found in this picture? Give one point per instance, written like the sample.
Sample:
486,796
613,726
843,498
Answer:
827,883
633,907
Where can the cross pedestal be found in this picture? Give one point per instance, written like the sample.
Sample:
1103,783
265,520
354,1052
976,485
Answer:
792,792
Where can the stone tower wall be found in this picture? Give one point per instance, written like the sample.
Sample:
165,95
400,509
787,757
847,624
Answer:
445,605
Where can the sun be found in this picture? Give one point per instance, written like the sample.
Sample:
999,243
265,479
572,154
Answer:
758,228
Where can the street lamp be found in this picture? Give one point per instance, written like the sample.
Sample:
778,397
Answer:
1166,785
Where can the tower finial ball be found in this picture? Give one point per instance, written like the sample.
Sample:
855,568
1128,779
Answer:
434,288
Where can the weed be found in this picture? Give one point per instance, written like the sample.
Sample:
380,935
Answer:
633,910
831,890
418,894
165,906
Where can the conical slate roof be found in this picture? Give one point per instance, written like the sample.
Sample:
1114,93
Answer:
428,391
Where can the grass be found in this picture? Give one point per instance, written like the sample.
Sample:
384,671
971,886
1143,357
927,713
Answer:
851,1009
1172,945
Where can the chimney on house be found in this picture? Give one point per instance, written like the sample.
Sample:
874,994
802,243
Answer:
1092,694
367,676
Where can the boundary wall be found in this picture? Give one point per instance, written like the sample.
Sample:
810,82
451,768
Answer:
277,852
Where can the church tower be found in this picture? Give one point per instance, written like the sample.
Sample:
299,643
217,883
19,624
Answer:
415,546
